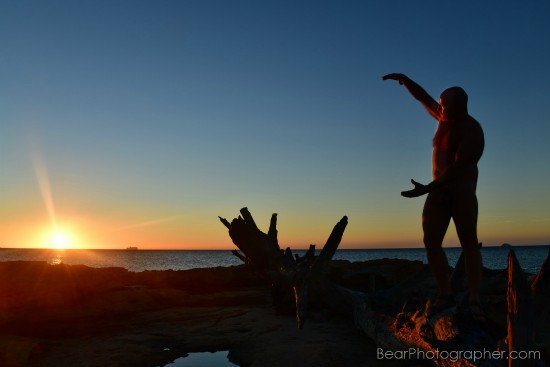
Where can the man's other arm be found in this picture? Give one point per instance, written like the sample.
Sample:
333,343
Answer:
468,154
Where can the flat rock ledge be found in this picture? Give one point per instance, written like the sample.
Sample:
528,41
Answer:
113,317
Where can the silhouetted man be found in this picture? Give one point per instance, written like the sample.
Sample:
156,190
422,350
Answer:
457,147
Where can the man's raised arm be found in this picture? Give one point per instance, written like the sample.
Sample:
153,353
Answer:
418,93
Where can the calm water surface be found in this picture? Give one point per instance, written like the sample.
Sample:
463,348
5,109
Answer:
206,359
530,257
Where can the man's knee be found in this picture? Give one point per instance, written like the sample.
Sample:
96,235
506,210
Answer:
432,242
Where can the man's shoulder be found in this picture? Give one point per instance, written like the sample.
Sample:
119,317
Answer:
475,133
474,121
473,125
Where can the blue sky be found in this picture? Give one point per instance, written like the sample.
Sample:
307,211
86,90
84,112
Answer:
158,116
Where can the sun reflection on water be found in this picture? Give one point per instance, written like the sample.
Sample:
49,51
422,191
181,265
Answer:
57,258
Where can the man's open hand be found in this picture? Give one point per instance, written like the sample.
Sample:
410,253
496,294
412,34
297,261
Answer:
395,76
418,190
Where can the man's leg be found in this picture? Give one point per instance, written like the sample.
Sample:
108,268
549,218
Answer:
465,212
435,221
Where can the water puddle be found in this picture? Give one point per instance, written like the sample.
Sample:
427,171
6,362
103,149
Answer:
206,359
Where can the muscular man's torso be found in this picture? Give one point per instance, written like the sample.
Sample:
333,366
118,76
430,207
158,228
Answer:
447,140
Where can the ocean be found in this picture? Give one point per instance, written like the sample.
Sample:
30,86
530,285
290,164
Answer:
530,257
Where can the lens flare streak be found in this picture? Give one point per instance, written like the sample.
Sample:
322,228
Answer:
44,186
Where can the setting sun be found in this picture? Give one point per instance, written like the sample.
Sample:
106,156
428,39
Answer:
60,239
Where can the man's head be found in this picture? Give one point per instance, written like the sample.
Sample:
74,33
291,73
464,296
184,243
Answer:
454,101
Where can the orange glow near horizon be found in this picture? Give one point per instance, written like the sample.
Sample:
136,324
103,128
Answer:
42,224
88,233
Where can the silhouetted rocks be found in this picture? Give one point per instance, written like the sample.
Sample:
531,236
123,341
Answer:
111,316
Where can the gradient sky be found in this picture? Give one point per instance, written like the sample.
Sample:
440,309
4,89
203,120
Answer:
137,123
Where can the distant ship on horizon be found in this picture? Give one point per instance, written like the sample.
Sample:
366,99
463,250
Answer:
132,248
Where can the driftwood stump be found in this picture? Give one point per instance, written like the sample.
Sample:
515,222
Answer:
286,272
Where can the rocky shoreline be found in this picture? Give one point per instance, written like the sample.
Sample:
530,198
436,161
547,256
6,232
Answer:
112,317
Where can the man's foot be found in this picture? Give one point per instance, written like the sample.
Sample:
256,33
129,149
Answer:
476,312
442,303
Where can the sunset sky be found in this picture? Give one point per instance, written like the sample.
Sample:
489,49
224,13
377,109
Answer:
137,123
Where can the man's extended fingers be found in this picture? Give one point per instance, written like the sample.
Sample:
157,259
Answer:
407,194
394,76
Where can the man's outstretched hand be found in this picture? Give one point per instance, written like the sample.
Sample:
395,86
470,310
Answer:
395,76
418,190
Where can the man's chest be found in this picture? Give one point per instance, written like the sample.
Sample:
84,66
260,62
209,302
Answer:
447,137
